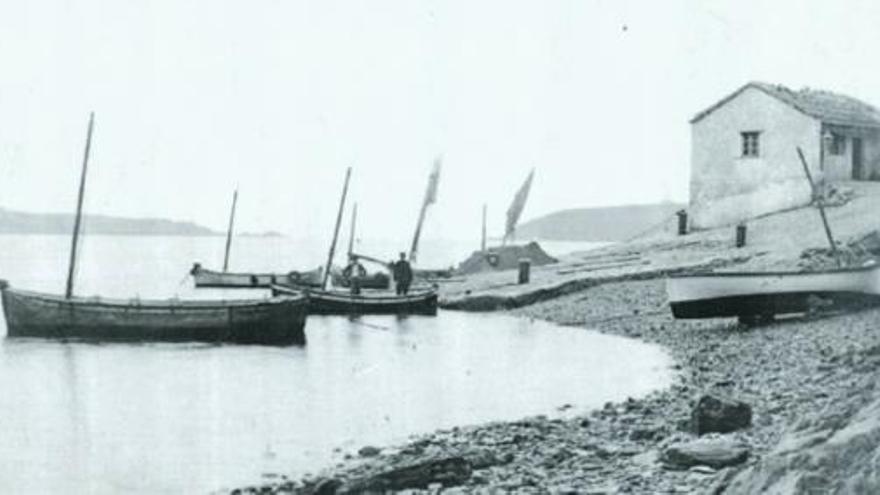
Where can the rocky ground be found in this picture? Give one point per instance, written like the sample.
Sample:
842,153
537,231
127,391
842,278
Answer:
773,242
788,374
785,407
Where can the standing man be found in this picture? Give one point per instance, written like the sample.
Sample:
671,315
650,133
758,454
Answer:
403,275
354,273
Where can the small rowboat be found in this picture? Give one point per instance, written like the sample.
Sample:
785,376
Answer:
275,321
764,294
322,302
205,278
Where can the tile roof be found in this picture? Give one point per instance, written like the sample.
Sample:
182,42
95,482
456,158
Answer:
829,107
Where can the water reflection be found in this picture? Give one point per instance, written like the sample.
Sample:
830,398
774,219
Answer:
172,418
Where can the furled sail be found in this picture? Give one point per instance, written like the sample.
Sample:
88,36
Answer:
430,198
516,207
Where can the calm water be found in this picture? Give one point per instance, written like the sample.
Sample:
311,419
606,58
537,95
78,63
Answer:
171,418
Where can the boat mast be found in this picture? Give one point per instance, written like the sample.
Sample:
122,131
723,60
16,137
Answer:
336,229
483,238
68,292
229,231
354,215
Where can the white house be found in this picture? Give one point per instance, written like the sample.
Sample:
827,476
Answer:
744,160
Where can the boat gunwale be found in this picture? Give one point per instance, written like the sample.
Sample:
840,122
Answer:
318,294
780,273
249,274
135,303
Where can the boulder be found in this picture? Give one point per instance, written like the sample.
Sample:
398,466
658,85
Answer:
326,486
714,413
369,451
716,453
834,451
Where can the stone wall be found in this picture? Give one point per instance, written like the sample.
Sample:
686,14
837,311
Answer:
725,186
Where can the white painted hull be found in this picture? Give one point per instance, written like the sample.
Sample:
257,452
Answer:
745,294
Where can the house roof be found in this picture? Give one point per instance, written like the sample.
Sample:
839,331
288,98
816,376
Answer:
829,107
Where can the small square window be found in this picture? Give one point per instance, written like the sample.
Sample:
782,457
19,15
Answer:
750,143
838,145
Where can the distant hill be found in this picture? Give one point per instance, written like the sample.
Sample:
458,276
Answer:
17,222
268,233
613,223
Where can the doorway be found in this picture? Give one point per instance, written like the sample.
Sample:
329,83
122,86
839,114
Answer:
857,158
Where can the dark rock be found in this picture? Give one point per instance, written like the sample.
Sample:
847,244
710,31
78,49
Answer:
715,453
644,434
369,451
449,471
327,486
717,414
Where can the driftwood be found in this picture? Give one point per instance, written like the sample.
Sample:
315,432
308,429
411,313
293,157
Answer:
606,257
448,471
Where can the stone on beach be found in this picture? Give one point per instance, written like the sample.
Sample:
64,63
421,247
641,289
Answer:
715,453
448,471
714,413
369,451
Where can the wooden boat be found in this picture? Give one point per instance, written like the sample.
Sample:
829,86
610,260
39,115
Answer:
327,302
204,278
280,320
323,302
275,321
764,294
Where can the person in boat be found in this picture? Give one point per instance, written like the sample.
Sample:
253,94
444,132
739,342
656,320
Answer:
354,273
403,275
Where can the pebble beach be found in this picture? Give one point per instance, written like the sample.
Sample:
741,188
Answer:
806,380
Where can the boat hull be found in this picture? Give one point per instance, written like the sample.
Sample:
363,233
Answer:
276,321
343,303
378,281
766,293
205,278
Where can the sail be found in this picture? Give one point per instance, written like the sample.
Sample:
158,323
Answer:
516,208
430,198
433,180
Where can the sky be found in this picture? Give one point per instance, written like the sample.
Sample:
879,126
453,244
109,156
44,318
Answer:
194,98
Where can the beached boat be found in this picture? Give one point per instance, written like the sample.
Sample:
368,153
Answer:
323,302
764,294
275,321
278,321
204,278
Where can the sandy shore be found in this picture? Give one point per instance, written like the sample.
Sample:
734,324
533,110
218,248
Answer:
791,373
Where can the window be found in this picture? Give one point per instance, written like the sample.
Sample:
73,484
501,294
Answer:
837,146
750,146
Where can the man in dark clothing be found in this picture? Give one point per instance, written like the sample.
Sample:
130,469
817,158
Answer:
403,275
354,273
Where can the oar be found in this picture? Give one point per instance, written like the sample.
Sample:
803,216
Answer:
369,325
